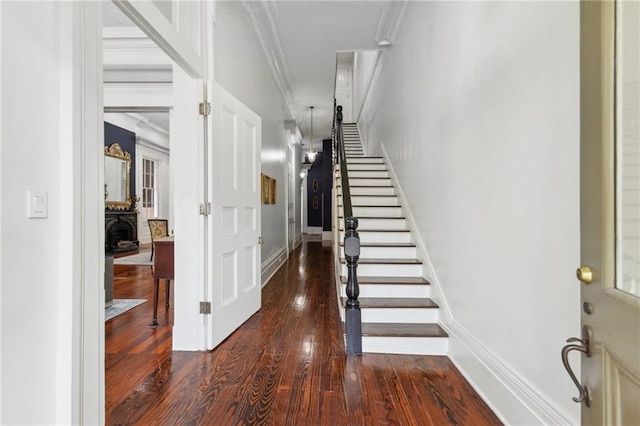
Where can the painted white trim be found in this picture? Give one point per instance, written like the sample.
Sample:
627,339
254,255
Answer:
265,29
1,352
87,243
326,235
153,23
128,97
273,263
390,22
512,399
297,241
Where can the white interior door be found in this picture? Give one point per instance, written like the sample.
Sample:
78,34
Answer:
344,93
235,279
610,211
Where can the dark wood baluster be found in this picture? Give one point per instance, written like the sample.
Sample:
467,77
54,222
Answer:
353,317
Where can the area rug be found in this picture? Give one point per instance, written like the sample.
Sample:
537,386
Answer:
135,259
121,306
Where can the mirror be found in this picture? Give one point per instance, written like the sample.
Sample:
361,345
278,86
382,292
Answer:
117,166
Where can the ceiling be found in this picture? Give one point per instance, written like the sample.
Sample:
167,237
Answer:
300,40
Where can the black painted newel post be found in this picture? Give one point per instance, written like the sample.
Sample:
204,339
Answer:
353,321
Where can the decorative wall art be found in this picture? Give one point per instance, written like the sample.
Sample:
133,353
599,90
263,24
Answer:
272,191
268,189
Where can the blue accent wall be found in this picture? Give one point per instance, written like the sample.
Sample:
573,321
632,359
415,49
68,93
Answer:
127,141
319,189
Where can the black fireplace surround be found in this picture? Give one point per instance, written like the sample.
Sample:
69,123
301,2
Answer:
121,232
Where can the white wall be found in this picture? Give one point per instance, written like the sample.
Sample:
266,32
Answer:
364,62
241,68
477,106
45,279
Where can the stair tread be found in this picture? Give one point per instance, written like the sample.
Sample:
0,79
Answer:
377,217
371,195
365,186
395,302
369,205
378,230
388,280
387,245
402,330
382,261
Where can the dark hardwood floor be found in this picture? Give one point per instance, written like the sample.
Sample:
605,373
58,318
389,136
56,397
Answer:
285,366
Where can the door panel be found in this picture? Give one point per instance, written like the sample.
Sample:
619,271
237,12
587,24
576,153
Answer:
235,278
609,188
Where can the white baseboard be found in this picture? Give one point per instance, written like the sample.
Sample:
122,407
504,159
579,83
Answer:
512,399
272,264
327,235
297,241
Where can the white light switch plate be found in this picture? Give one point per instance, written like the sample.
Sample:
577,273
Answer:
37,205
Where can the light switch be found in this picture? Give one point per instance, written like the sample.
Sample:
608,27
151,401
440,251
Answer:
37,207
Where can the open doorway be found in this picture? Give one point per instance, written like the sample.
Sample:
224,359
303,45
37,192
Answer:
138,100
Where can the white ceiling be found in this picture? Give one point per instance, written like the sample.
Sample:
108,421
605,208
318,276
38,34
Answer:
301,39
310,34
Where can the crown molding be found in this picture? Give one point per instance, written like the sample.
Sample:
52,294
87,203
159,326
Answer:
390,22
261,17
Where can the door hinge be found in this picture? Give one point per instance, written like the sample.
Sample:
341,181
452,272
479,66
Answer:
205,209
205,308
205,108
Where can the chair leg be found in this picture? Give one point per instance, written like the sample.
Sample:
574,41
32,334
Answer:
151,251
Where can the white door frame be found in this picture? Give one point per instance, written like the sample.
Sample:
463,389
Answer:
88,390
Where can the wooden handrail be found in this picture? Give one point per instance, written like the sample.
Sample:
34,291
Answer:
353,317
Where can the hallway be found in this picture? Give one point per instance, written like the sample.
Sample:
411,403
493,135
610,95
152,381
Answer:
285,366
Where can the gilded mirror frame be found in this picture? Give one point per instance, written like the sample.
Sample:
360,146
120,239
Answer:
116,151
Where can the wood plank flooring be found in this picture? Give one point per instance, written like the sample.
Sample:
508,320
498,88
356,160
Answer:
285,366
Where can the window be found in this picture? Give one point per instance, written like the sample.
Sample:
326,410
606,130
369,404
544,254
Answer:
149,188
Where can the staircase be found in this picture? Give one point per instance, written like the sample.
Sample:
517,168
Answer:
397,314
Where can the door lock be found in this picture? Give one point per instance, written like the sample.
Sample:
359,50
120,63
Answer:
584,274
260,240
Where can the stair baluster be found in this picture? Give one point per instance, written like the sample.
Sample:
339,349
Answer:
353,316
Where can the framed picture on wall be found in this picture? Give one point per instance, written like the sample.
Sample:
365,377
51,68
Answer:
272,191
264,189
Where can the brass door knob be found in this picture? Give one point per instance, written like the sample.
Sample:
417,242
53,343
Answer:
584,274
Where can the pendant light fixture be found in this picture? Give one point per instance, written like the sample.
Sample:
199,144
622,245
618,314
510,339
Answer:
311,153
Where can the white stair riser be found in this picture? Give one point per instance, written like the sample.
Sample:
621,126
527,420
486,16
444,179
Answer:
369,182
353,167
384,237
392,290
374,211
367,223
386,270
406,345
365,200
385,252
385,190
397,315
366,160
363,174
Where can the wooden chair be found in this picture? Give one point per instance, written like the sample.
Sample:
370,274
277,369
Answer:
159,229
